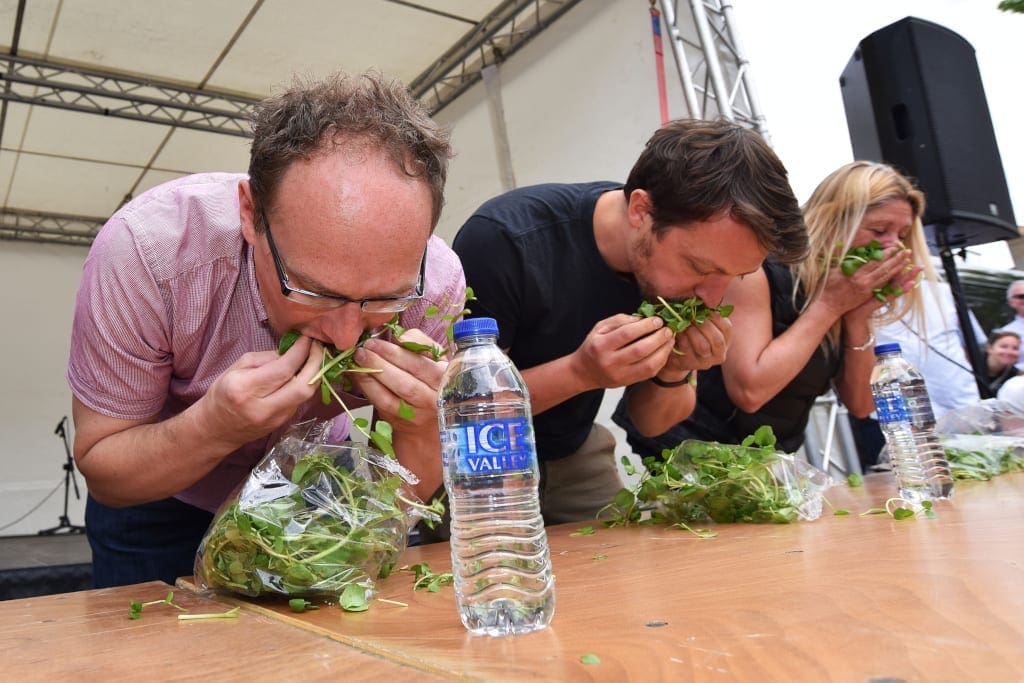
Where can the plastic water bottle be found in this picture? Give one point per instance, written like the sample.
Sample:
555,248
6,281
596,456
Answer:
906,418
500,559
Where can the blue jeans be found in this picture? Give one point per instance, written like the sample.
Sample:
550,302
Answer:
153,541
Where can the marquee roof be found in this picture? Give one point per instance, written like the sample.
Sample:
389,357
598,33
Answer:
103,99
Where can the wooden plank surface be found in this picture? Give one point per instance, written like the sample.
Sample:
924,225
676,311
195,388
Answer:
87,636
839,599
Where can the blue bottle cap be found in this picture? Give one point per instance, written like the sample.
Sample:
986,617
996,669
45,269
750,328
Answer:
888,348
474,326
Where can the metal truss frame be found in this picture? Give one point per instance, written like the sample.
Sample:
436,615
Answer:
32,81
714,71
712,66
491,41
50,228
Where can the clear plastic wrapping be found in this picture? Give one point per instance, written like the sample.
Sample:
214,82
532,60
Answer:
311,519
698,481
728,483
983,439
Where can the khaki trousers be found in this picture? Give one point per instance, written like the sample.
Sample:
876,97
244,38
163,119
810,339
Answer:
576,487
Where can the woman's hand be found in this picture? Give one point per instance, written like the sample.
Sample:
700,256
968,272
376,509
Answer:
872,285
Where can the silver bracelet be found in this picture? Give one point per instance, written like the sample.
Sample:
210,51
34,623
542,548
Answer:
866,345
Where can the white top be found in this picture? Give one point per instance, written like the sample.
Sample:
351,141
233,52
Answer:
939,353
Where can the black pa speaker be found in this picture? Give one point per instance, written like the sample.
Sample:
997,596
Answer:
913,98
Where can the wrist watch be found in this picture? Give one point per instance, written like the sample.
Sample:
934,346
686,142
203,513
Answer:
690,378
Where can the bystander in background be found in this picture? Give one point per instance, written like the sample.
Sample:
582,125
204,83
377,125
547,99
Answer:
1002,353
1015,299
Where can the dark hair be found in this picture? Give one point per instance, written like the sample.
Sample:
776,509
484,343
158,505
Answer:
695,169
996,335
312,117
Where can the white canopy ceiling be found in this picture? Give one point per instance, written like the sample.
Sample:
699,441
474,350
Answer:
97,94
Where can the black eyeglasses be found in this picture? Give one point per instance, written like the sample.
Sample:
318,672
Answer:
308,298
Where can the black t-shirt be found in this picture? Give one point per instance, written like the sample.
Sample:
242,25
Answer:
996,382
716,418
532,261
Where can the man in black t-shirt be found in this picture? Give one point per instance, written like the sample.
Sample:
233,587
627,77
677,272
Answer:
562,267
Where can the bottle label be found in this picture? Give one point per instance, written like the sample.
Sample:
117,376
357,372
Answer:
491,446
891,408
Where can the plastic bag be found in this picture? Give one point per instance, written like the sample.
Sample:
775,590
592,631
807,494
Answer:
983,439
312,519
729,483
991,416
699,481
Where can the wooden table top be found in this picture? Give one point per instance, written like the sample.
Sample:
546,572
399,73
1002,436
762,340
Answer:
87,636
839,599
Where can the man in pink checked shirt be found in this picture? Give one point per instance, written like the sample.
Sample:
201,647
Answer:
178,387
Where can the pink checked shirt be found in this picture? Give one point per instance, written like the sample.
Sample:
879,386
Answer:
168,300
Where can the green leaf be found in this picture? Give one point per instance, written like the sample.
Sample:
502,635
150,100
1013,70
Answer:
854,480
429,580
381,438
288,340
840,512
590,659
417,347
583,531
627,466
353,598
902,513
679,315
405,411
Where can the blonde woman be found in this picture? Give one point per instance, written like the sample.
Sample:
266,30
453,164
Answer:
799,330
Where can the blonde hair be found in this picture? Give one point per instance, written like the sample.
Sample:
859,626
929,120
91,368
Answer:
833,216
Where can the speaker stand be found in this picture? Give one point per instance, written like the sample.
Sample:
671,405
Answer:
978,361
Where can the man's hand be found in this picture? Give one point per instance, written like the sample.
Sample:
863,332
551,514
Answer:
622,350
698,347
413,379
405,376
260,392
127,462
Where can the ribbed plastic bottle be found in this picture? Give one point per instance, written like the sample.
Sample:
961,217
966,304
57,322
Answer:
906,418
500,559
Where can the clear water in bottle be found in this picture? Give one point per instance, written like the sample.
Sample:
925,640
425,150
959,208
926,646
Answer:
908,423
500,559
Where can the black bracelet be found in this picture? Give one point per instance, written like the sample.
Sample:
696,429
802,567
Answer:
678,383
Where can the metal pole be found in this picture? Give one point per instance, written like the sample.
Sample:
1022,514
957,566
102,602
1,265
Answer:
745,76
676,41
708,44
978,363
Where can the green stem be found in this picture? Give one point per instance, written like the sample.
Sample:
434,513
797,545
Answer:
671,310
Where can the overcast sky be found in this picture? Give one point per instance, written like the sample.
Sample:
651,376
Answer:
798,49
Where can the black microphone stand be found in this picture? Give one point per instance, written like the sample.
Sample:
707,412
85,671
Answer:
65,525
974,354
